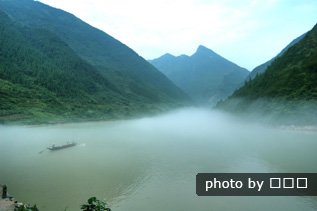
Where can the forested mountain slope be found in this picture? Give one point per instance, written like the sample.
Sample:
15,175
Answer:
42,79
287,88
119,64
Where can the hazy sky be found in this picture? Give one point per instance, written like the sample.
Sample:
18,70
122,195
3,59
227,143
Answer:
247,32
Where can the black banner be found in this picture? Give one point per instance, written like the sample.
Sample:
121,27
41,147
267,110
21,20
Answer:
256,184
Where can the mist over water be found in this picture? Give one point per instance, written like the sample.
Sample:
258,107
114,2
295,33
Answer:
151,163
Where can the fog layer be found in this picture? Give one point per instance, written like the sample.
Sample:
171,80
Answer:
151,163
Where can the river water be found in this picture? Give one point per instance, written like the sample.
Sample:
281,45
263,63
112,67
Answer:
150,164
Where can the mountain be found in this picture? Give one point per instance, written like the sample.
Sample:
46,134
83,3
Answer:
205,76
287,88
262,68
42,79
52,69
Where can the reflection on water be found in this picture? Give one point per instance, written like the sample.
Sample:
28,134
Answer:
151,163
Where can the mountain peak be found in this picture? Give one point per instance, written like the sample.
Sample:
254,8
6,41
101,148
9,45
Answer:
168,55
205,76
165,57
201,47
204,50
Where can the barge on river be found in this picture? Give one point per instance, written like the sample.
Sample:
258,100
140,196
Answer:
53,147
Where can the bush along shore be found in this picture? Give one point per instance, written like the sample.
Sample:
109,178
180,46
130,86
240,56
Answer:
8,203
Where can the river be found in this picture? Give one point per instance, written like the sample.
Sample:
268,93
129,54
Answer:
150,164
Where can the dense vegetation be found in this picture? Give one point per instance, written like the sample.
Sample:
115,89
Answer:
40,76
119,64
205,76
287,88
44,79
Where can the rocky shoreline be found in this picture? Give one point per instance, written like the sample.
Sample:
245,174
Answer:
7,202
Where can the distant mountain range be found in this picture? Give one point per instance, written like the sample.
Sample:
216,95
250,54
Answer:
53,67
288,88
205,76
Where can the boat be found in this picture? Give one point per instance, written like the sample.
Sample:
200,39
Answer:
53,147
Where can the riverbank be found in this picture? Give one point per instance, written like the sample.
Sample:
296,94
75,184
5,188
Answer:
81,117
6,203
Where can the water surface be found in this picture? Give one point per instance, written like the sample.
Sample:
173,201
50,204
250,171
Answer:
151,163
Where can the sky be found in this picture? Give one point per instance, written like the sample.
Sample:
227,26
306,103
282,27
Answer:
247,32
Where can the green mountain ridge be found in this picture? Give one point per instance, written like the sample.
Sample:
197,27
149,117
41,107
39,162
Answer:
288,88
115,61
262,68
41,76
43,79
205,76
